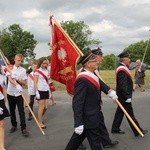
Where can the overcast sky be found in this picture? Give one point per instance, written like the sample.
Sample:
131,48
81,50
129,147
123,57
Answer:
117,23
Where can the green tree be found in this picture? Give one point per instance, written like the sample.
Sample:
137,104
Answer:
109,62
14,40
81,34
137,51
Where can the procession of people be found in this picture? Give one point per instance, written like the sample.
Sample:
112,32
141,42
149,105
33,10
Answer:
86,102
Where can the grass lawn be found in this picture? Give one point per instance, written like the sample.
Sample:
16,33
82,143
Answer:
109,77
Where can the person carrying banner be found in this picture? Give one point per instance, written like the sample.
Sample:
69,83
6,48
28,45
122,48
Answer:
16,80
88,117
124,88
41,85
3,110
31,91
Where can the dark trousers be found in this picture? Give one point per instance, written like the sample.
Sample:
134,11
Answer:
13,102
93,136
32,97
119,117
105,139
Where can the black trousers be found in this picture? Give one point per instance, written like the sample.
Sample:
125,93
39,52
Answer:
13,102
32,98
105,139
93,136
119,117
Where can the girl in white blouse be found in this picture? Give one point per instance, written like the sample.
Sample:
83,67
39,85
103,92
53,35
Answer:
41,79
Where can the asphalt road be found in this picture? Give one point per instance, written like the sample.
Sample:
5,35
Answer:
59,122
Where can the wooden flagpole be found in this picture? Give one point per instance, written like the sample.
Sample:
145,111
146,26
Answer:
26,102
97,73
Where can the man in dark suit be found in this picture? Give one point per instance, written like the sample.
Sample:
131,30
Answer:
88,117
124,89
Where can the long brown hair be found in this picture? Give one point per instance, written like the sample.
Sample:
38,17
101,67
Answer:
41,61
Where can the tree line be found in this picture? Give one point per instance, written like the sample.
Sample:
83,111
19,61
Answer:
16,40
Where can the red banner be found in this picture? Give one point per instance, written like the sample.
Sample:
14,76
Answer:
63,59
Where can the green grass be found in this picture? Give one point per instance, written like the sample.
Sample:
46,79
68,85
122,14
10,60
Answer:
109,77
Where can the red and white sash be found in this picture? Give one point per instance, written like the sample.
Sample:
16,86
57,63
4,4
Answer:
31,76
124,69
91,77
1,89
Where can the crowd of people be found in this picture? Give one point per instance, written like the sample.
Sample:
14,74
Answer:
86,103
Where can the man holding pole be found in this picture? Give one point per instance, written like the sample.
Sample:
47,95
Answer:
16,79
88,117
124,89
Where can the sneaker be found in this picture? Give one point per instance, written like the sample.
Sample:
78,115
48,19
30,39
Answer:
25,133
13,129
43,126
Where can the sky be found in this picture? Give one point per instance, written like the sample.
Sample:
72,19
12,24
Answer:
116,23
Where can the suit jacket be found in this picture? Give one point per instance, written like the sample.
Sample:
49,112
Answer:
124,83
87,103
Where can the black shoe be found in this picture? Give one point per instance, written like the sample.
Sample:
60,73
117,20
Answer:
113,143
118,132
143,131
30,118
82,147
25,133
13,129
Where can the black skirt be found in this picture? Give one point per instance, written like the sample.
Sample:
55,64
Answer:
5,110
43,95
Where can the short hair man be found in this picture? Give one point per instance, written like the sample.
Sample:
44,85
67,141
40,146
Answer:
88,116
16,79
124,88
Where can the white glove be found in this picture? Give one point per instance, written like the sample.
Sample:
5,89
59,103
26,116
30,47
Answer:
79,129
37,95
19,88
128,100
139,70
1,111
112,95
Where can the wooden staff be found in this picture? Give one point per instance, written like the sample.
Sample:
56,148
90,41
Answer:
97,73
26,102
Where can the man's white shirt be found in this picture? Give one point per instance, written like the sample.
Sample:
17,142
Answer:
16,73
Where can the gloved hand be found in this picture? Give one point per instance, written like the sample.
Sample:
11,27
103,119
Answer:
37,95
128,100
139,70
1,111
112,95
79,129
19,88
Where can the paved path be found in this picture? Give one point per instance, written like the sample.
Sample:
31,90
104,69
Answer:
59,121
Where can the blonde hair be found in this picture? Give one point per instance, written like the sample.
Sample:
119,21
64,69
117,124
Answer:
138,61
20,56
